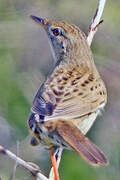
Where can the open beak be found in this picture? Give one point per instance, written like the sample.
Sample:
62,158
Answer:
41,21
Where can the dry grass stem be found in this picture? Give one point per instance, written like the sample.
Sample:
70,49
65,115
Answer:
96,21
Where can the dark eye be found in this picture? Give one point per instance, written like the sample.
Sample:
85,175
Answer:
56,32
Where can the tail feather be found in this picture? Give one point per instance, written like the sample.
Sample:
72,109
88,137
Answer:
91,147
85,147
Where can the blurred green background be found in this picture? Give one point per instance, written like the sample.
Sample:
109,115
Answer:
25,60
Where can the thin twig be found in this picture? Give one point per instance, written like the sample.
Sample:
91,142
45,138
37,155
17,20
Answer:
36,172
96,21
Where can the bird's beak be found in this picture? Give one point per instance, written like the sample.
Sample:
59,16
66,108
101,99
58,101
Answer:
41,21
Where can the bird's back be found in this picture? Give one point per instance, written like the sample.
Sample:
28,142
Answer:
74,94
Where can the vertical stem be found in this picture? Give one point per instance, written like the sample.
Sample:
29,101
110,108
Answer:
96,21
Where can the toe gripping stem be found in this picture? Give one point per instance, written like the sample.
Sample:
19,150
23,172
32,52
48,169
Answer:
56,153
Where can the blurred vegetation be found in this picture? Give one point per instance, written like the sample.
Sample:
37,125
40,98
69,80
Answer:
25,60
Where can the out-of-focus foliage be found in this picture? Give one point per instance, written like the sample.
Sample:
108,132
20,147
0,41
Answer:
25,60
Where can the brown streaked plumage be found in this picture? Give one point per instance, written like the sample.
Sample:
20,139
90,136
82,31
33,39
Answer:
72,96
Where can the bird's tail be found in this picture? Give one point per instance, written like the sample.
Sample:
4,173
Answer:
81,144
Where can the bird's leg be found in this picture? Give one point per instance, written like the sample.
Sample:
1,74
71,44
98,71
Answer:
58,155
54,163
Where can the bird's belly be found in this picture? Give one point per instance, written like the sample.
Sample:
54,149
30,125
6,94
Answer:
86,122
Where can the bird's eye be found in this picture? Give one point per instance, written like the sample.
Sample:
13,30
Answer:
56,32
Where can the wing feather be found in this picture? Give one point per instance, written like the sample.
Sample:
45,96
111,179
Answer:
73,96
78,104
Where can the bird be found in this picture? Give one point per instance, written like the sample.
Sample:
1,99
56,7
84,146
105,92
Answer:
71,97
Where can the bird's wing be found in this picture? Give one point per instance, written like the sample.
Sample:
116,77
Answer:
65,97
79,100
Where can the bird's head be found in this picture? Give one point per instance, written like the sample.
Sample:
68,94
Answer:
65,38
